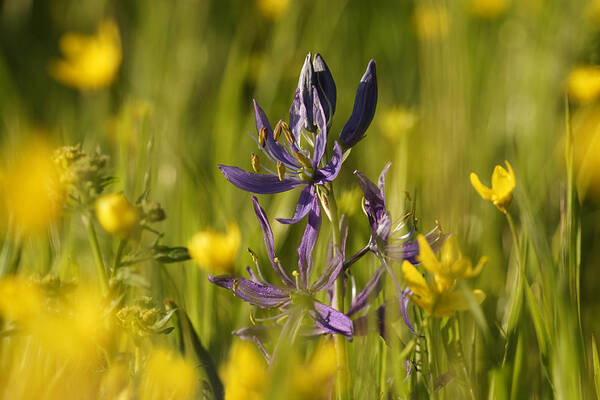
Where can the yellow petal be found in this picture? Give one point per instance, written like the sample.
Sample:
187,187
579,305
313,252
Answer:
427,257
415,280
483,190
450,252
503,183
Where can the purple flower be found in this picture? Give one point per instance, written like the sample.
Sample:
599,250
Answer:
292,165
297,291
386,237
364,108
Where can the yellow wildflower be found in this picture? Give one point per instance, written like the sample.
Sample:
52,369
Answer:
91,61
396,121
503,184
583,83
431,22
487,8
245,375
272,9
20,299
168,376
30,189
315,380
116,214
440,297
216,251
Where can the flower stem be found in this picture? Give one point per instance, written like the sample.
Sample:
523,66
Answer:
338,299
118,256
87,221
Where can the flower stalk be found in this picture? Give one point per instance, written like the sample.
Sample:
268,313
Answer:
93,238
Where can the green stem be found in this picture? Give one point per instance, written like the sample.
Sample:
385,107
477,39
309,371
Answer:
338,298
513,230
87,221
119,256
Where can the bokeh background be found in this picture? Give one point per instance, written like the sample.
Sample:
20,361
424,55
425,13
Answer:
463,86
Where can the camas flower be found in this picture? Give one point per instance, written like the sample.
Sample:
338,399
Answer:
296,292
440,296
503,184
294,166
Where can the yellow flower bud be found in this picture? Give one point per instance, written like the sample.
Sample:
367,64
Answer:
116,215
216,251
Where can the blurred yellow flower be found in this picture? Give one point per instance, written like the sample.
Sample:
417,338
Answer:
440,297
30,191
315,379
396,121
21,300
168,376
216,251
116,214
245,375
487,8
431,22
91,61
503,184
583,83
272,9
349,201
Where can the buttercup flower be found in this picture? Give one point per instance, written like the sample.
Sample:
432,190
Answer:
503,184
295,292
216,251
440,296
583,83
116,214
168,376
245,374
91,62
487,8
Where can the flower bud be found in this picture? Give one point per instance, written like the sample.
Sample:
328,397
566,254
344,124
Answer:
364,108
116,214
154,212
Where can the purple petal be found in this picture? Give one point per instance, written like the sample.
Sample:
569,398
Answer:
325,85
269,243
257,294
258,183
331,320
379,218
335,263
405,297
321,136
277,150
309,239
297,116
305,83
370,290
381,180
304,204
330,171
364,108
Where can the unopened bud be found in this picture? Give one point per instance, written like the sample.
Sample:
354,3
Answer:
280,170
262,136
255,163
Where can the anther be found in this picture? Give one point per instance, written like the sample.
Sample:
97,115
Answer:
288,134
252,254
277,131
255,162
304,161
280,170
262,136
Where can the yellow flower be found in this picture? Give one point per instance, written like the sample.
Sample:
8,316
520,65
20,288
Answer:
440,297
20,299
488,8
503,184
431,22
245,375
116,214
91,61
272,9
168,376
314,380
216,251
397,121
583,83
30,189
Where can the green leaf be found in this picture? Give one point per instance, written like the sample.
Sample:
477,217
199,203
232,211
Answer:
596,364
